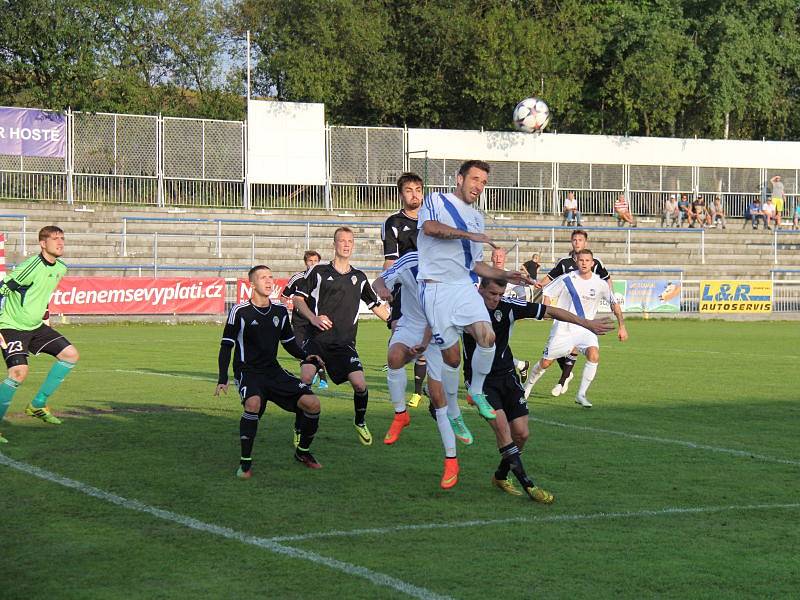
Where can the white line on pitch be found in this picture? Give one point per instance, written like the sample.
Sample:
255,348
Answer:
685,444
544,519
157,374
379,579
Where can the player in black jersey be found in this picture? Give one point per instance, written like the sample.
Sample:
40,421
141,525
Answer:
254,328
502,387
300,324
579,240
399,235
338,289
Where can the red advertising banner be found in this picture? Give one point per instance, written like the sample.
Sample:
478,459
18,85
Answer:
244,291
138,296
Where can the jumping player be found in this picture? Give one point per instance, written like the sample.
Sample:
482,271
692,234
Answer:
260,325
27,291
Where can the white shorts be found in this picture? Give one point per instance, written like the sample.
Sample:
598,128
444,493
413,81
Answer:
561,345
410,334
449,307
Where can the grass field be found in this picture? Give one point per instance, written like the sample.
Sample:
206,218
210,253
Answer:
681,482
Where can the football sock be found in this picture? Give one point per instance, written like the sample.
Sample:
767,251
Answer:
567,363
512,457
420,368
446,431
309,423
248,427
54,378
450,381
502,469
482,360
360,400
536,372
7,390
396,380
518,364
589,371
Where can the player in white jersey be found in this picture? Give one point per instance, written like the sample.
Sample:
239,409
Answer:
410,339
579,292
450,245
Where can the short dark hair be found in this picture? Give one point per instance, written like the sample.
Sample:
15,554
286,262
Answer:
253,270
408,177
309,253
47,231
478,164
340,229
579,232
488,280
584,251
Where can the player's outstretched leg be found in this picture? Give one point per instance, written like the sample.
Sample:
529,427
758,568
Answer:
566,363
511,455
589,371
7,390
248,428
420,369
482,359
309,423
396,380
535,375
38,406
360,401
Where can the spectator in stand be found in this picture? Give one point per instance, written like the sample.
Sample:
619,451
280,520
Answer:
671,214
796,220
623,212
756,214
777,196
685,208
771,215
701,216
571,214
531,267
717,213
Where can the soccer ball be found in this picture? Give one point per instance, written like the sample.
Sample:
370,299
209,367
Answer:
531,115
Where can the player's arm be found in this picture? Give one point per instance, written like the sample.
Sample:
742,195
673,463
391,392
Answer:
487,271
382,291
622,332
20,278
225,350
371,300
441,231
391,243
596,326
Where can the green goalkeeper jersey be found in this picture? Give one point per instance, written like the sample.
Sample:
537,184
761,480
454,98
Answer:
27,292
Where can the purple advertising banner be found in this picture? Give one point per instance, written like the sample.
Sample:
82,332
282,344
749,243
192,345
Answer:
31,132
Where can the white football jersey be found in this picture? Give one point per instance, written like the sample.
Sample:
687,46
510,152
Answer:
404,271
577,295
449,261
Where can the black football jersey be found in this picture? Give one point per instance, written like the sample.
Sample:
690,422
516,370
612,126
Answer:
290,290
337,295
399,235
568,264
508,311
255,333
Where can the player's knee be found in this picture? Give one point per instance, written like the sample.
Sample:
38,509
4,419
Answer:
69,354
18,373
593,354
545,362
252,404
396,359
310,403
520,437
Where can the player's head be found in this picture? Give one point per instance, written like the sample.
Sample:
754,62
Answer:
473,175
409,186
491,290
585,260
311,258
343,242
51,240
260,278
579,239
499,258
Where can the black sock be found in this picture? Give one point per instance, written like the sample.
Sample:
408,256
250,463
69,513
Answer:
248,427
420,369
502,469
298,419
567,363
512,458
432,410
360,400
309,423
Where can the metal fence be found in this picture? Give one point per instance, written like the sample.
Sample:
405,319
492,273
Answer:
166,161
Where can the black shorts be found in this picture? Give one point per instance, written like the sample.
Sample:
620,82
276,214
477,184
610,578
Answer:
21,343
280,387
506,393
340,360
396,312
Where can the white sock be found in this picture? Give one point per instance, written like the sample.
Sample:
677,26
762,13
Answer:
518,364
589,371
450,381
446,431
482,360
397,380
535,374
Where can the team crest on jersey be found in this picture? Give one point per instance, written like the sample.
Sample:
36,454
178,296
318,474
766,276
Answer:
354,279
498,315
275,321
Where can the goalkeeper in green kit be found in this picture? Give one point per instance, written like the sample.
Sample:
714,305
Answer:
26,294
